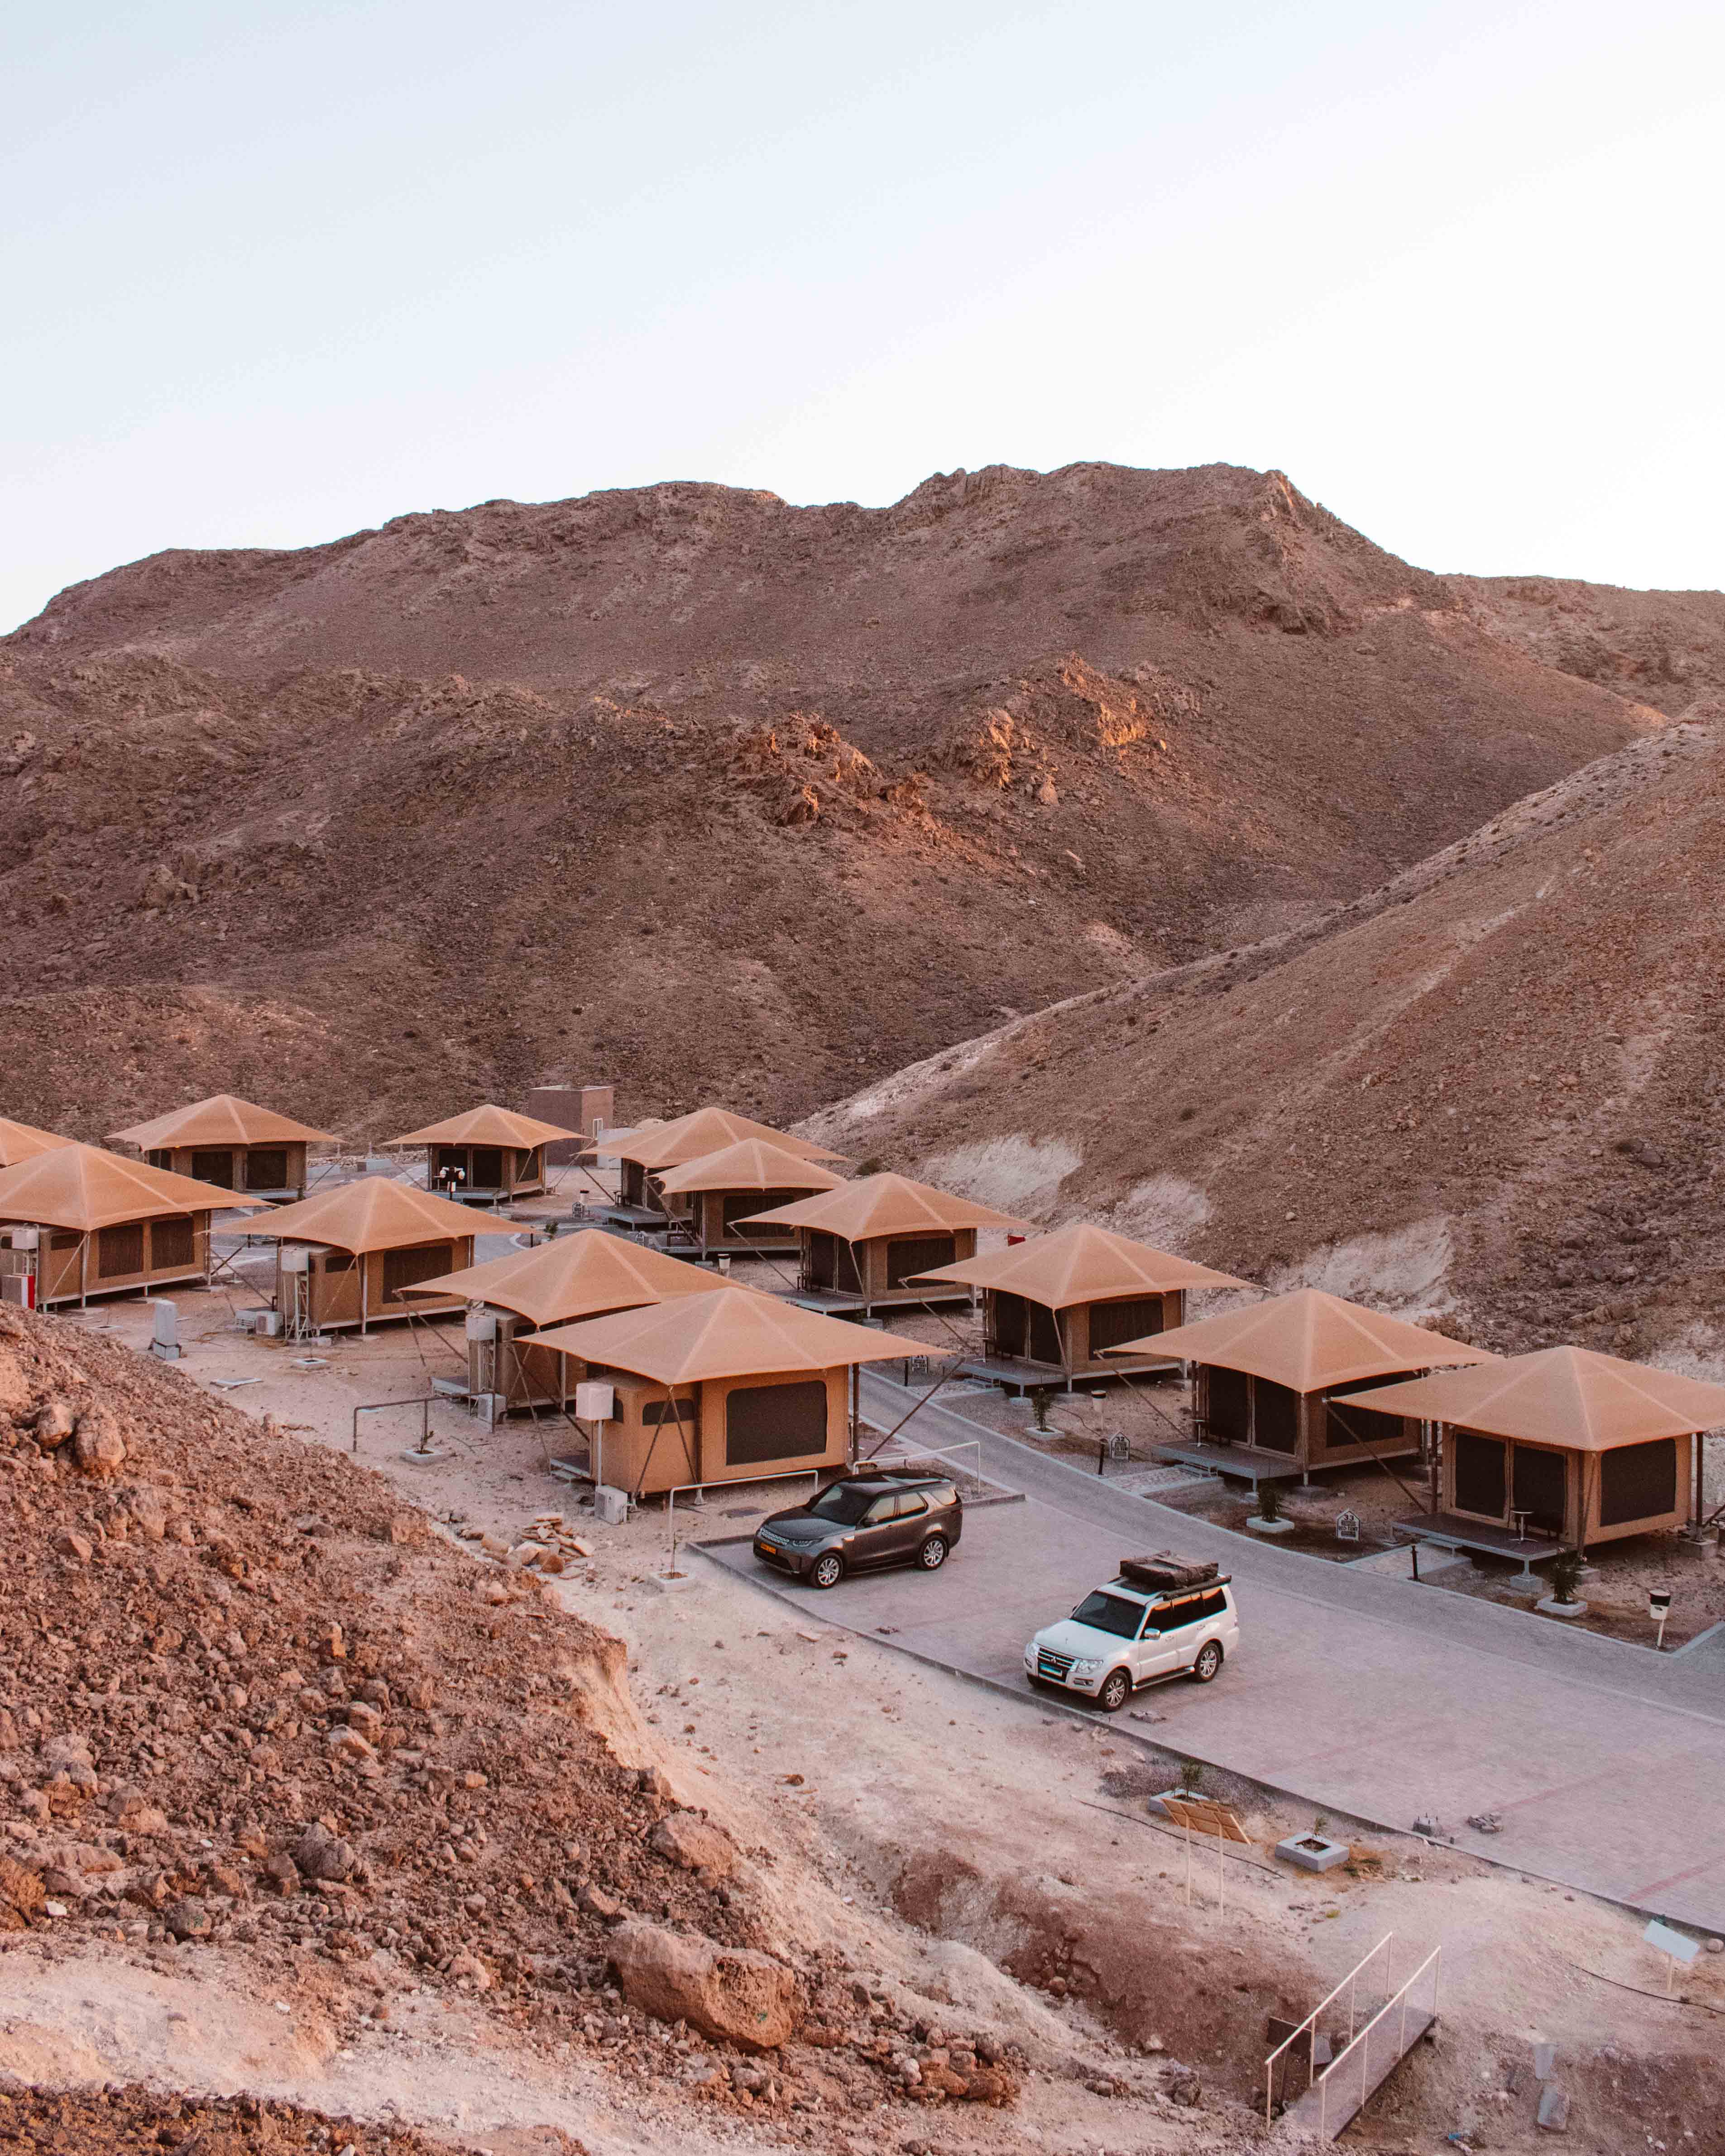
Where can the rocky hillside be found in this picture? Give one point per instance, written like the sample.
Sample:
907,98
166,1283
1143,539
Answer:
690,789
1491,1089
1667,649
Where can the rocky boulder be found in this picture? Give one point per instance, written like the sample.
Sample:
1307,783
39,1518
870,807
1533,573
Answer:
732,1994
688,1840
97,1447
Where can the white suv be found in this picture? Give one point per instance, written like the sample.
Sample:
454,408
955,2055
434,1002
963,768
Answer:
1161,1617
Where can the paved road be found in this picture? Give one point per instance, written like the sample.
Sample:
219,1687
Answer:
1361,1693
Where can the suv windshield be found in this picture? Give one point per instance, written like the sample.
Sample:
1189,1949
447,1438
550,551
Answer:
843,1502
1110,1612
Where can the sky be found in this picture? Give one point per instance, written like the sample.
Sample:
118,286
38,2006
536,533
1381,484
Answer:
274,273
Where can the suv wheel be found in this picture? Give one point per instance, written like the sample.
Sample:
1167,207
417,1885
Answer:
932,1555
827,1570
1209,1662
1116,1690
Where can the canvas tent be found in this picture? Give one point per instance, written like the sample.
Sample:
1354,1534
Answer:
1054,1306
718,1201
76,1221
229,1142
488,1154
647,1149
23,1141
731,1386
868,1243
349,1254
510,1299
1565,1446
1265,1400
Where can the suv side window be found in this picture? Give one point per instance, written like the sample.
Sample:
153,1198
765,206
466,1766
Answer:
883,1508
1175,1616
910,1504
1215,1604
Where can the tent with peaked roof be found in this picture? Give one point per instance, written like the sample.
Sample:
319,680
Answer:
85,1222
720,1198
486,1152
1264,1401
20,1141
1565,1444
350,1254
647,1149
585,1275
730,1387
869,1243
229,1142
1053,1307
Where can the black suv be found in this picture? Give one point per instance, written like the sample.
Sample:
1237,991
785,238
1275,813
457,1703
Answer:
885,1516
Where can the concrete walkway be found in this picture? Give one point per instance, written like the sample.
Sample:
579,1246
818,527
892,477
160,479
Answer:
1361,1693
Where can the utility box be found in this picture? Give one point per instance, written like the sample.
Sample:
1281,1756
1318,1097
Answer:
481,1323
165,1340
610,1508
595,1401
589,1109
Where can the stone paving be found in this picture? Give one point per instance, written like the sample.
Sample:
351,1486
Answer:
1362,1692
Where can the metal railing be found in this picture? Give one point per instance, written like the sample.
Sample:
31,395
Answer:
425,1402
1359,2038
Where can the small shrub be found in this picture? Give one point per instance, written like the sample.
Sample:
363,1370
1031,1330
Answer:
1041,1399
1564,1576
1269,1500
1191,1774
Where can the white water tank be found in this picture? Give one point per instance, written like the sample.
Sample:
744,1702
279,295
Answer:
595,1402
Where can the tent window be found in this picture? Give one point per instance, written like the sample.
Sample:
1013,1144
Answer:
1009,1324
1275,1420
121,1250
832,1263
1638,1482
1479,1481
631,1190
908,1255
1350,1424
739,1205
213,1167
266,1169
68,1241
775,1422
406,1268
486,1173
341,1262
675,1412
1227,1405
1541,1481
171,1243
1113,1323
159,1156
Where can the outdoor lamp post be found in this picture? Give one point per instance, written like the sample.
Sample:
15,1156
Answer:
1659,1608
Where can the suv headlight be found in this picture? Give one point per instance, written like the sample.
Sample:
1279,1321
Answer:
1086,1666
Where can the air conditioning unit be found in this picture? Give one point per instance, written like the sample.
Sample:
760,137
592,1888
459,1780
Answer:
295,1258
595,1402
610,1506
26,1238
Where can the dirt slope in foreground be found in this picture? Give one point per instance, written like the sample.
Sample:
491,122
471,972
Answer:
1492,1088
694,790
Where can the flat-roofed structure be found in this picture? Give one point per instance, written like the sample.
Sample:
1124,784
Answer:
1055,1307
647,1149
23,1140
487,1155
730,1387
867,1245
719,1201
510,1299
1563,1448
1267,1379
347,1256
76,1221
230,1142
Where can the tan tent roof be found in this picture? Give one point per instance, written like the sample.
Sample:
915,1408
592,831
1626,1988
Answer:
81,1186
23,1141
737,1334
751,1164
689,1137
1080,1264
224,1119
374,1213
487,1124
1567,1396
1308,1341
883,1205
574,1276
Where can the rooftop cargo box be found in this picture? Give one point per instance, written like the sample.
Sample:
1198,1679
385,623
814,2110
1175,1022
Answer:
1164,1570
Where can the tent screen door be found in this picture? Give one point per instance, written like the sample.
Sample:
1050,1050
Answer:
775,1422
1480,1485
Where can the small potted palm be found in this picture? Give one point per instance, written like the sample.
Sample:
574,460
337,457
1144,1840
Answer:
1268,1519
1561,1579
